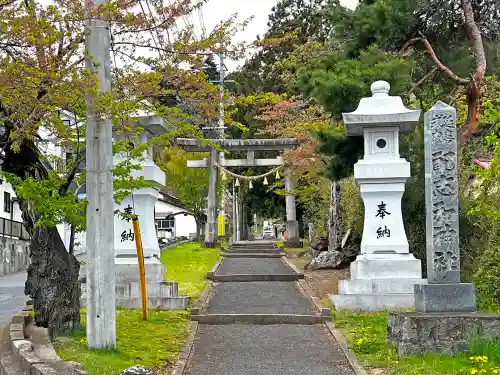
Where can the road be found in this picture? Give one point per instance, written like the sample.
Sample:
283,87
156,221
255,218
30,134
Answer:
12,298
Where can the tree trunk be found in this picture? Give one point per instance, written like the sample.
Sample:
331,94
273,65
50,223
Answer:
335,256
334,219
198,228
52,280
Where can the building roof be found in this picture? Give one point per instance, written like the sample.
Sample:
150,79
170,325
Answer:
167,197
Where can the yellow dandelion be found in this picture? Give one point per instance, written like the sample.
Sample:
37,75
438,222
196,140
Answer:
474,371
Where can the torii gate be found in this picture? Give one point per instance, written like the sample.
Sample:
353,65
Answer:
250,146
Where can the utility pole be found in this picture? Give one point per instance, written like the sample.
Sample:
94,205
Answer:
101,318
215,157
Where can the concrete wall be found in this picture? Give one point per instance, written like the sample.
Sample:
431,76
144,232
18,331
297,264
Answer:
14,255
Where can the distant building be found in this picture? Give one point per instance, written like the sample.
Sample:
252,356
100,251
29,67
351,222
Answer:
172,218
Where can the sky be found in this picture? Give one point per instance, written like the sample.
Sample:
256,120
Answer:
216,10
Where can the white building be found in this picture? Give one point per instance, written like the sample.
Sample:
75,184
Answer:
172,218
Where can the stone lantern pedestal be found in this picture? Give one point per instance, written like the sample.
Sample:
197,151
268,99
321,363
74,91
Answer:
385,273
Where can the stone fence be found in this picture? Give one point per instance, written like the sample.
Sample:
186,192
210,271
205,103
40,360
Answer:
27,349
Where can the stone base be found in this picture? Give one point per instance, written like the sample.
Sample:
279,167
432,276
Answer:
127,270
448,333
386,266
380,282
297,244
439,298
372,302
379,286
161,294
210,245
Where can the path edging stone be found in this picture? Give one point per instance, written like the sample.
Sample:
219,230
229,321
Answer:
30,360
187,349
293,267
200,302
212,272
349,354
323,311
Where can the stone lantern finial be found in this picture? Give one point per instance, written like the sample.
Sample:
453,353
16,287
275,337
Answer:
380,88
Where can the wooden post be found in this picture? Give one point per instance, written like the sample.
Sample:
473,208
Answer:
142,272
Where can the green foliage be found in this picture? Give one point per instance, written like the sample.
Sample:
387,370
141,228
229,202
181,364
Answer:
190,184
338,82
51,207
487,277
352,208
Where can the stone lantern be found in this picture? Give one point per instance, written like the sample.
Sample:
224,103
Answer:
161,294
384,274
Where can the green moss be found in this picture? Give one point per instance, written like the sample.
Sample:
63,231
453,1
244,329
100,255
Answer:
367,332
154,343
188,264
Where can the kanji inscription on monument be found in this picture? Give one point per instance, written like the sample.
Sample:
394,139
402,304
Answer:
441,195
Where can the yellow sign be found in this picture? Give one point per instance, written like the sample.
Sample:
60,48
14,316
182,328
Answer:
221,225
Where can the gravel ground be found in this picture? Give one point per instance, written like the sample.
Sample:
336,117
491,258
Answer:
253,266
266,350
274,297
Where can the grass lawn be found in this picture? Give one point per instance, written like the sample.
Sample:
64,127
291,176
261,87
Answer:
367,332
157,342
187,264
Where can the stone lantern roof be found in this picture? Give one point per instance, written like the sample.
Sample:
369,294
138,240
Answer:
380,110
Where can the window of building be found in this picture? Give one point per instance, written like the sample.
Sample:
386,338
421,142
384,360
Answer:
166,224
6,202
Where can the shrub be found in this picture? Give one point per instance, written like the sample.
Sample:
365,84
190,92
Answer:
487,277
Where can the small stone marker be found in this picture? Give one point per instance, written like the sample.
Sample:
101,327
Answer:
137,370
444,292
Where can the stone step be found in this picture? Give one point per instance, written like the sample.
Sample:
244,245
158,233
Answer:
254,247
248,250
373,302
252,255
255,277
259,319
379,286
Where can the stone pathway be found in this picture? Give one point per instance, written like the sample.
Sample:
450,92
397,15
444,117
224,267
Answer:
268,349
12,298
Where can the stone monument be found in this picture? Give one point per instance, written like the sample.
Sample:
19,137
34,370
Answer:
444,291
161,294
384,274
444,319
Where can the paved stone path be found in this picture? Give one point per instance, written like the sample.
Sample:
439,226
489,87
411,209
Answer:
249,349
12,298
253,266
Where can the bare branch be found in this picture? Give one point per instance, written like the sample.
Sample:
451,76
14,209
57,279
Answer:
432,55
424,79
